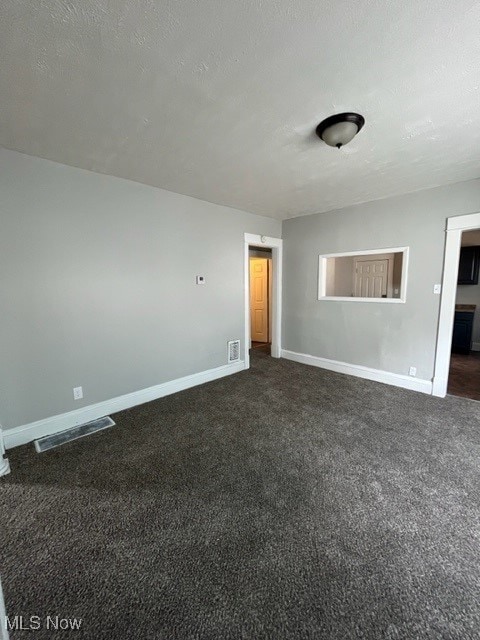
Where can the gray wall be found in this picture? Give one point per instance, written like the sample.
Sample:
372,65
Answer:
344,276
391,337
97,286
397,275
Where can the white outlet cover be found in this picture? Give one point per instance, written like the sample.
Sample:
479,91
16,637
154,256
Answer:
77,393
412,371
437,288
200,279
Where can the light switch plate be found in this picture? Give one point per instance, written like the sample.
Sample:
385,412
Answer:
437,288
200,279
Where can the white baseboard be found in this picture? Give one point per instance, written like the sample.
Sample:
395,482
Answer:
28,432
395,379
4,468
4,465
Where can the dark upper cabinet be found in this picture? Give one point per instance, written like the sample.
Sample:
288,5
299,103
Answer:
468,265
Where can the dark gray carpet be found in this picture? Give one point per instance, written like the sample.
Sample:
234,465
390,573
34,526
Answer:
282,502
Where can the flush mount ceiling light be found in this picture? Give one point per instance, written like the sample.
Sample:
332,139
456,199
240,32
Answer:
339,129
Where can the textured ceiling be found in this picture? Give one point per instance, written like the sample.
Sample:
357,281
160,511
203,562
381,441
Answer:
219,99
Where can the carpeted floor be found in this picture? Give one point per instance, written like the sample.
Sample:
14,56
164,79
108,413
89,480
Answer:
282,502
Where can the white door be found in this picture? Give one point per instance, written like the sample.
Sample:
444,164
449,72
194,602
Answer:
371,278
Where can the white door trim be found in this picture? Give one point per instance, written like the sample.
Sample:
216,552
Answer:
276,245
455,226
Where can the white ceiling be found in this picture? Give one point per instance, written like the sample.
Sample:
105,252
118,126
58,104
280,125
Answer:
219,99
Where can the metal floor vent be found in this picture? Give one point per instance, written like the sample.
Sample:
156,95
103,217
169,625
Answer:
80,431
234,351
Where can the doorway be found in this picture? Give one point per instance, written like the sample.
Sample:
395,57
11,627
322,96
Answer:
263,295
458,373
464,371
260,262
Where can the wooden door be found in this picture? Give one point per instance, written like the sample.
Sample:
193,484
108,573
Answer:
259,288
371,278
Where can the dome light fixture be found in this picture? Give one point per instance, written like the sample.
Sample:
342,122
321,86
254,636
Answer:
339,129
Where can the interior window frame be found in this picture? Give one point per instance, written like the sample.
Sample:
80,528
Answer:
322,275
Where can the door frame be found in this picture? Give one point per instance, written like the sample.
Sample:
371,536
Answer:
276,245
455,226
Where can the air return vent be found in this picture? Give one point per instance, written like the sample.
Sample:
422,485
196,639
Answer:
56,439
234,351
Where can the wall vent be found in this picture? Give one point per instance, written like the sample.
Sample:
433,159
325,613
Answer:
56,439
233,351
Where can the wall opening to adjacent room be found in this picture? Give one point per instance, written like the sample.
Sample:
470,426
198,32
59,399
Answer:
261,277
464,372
457,311
263,295
375,275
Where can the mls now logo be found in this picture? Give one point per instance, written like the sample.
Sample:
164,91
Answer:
33,623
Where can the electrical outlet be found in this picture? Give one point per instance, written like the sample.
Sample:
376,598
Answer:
77,393
412,371
200,280
437,288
